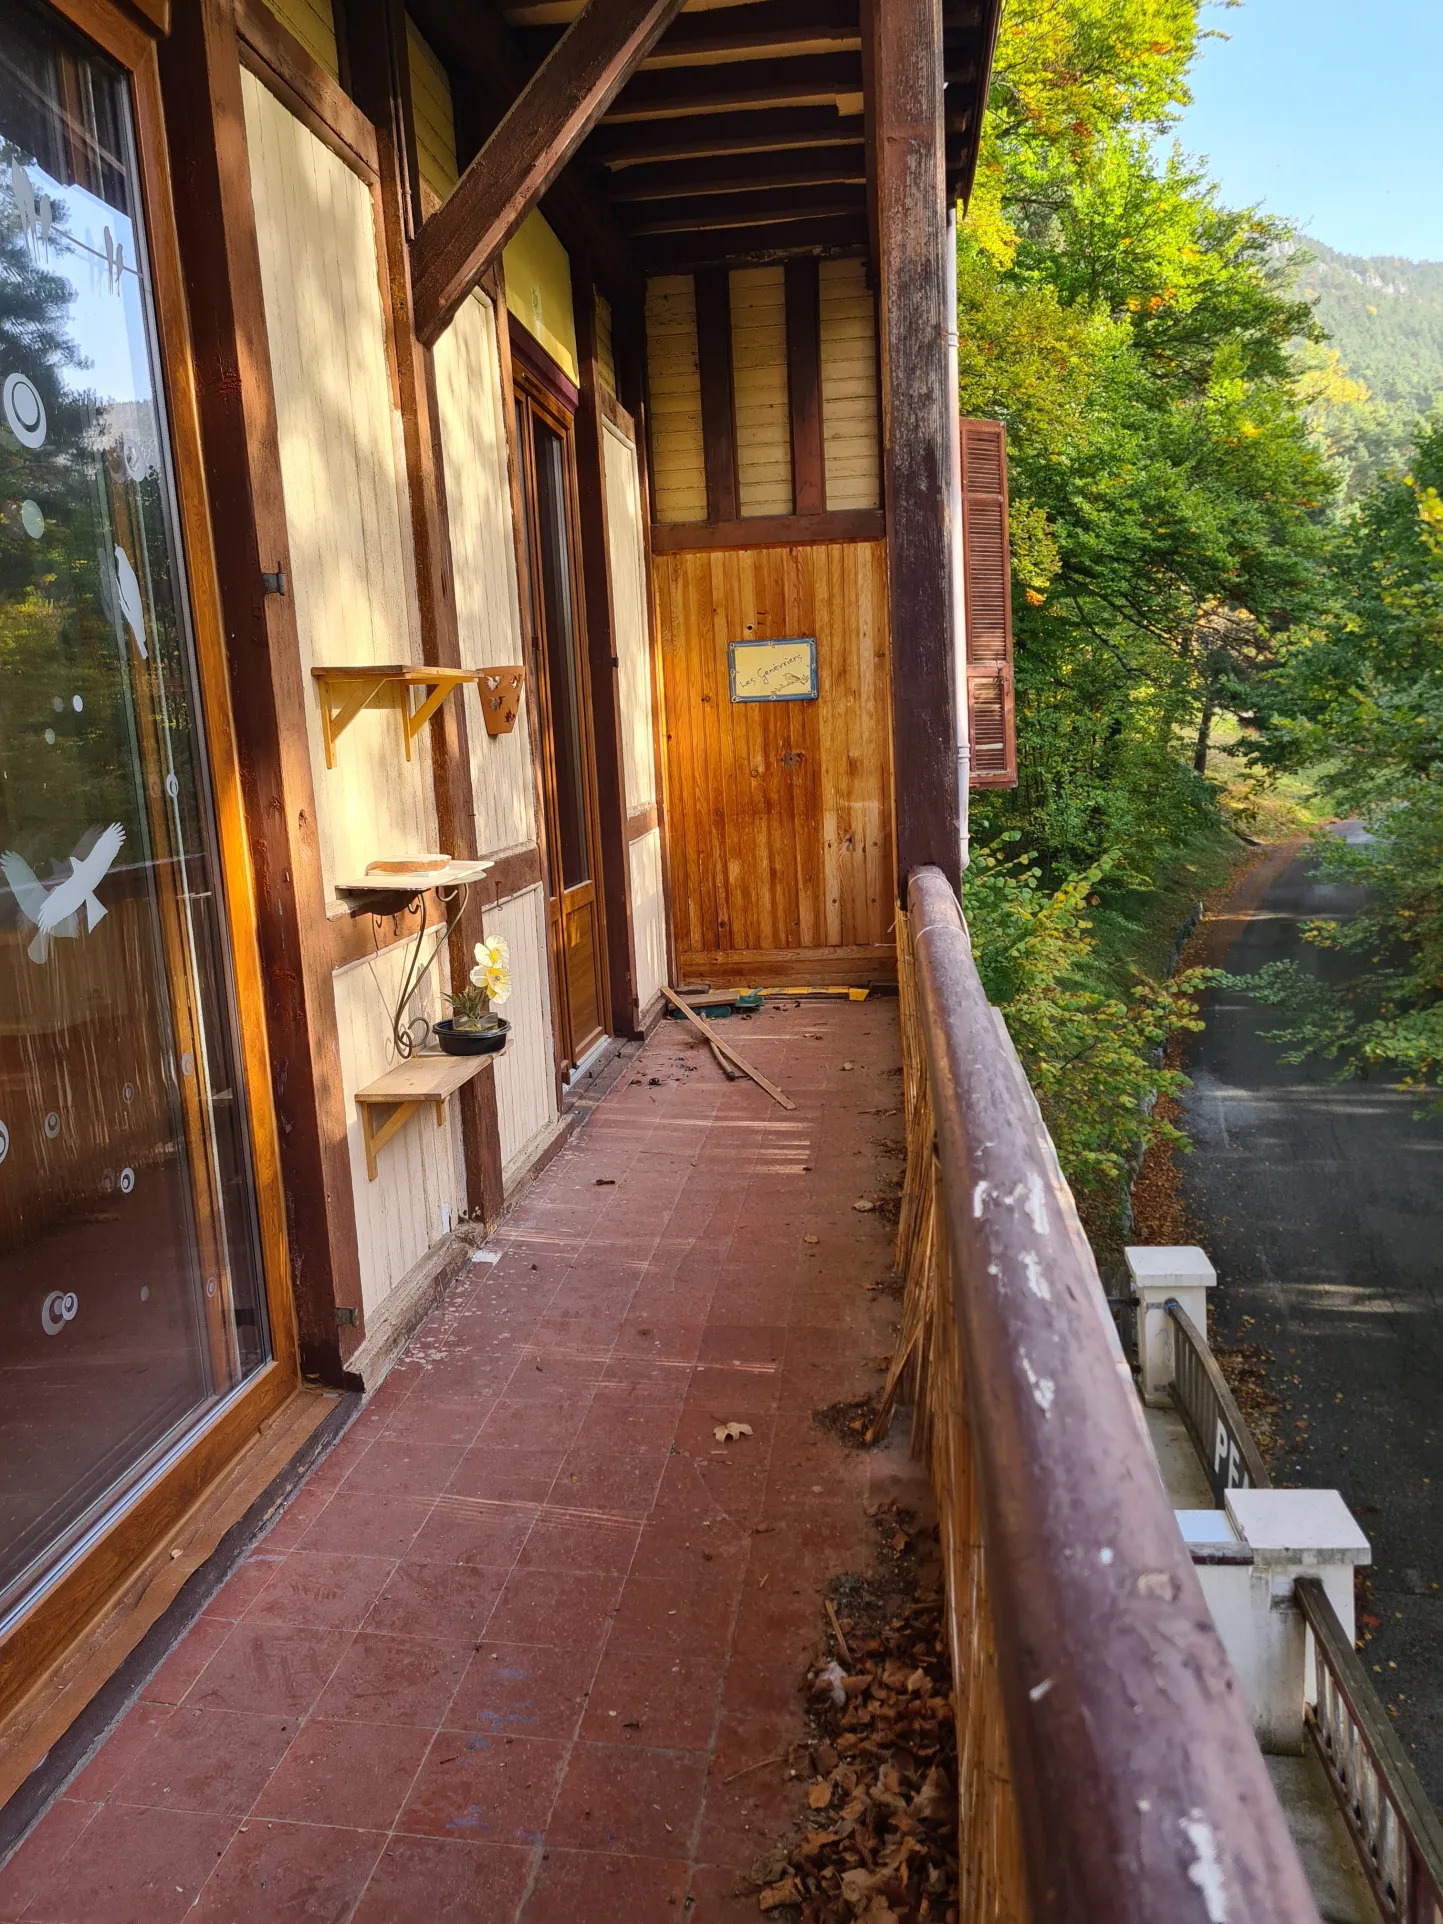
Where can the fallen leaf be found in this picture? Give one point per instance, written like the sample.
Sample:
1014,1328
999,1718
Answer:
864,1207
731,1432
789,1891
849,1065
819,1796
899,1542
811,1239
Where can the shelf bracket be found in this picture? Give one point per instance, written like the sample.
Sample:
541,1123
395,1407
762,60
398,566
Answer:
376,1135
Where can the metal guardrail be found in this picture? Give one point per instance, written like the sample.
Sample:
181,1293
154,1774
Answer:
1219,1432
1398,1838
1112,1737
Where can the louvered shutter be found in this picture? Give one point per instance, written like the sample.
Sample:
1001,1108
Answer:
987,587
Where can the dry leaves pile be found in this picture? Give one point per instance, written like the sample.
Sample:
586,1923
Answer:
881,1842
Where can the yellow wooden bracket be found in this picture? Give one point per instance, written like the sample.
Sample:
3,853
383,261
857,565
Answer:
375,1135
407,1088
346,691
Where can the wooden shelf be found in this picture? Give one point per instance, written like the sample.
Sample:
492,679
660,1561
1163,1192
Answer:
346,691
407,1088
415,881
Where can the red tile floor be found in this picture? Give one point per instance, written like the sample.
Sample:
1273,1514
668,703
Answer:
515,1645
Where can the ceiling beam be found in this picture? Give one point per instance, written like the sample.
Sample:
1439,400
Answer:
739,173
828,234
699,211
538,134
768,130
744,85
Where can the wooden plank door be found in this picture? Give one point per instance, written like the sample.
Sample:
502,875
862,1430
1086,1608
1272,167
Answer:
568,760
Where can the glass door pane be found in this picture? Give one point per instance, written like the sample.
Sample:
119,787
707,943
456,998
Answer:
562,668
130,1287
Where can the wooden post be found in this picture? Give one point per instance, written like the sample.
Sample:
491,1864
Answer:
718,400
381,81
602,651
804,385
905,76
205,124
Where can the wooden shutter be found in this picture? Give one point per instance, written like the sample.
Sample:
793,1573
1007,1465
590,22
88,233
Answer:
987,587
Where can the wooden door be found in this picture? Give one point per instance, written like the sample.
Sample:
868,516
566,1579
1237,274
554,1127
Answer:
779,813
568,762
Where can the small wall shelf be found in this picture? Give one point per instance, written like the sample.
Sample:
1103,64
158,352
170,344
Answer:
346,691
404,887
407,1088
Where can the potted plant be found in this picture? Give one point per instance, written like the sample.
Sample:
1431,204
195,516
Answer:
473,1029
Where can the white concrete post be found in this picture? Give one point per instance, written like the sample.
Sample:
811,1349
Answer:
1291,1534
1159,1275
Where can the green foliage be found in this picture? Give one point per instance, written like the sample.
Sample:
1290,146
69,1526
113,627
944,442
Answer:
1093,1059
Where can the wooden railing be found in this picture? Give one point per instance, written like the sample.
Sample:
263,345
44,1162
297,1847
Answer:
1224,1443
1398,1839
1107,1769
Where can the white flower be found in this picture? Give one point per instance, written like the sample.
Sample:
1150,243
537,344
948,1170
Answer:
498,985
492,972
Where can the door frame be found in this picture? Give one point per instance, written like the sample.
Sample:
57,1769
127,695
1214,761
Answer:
546,398
107,1557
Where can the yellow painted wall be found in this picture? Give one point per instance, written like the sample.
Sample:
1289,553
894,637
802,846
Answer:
759,389
678,465
314,25
538,289
433,115
850,438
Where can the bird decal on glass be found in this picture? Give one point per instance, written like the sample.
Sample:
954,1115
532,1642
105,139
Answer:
128,589
55,911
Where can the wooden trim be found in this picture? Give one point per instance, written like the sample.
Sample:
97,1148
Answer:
718,397
641,821
616,415
496,288
201,74
777,968
356,938
50,1670
543,368
622,1005
919,412
562,102
804,384
273,54
114,27
770,531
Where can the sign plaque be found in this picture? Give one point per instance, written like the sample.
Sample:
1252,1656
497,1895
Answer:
774,670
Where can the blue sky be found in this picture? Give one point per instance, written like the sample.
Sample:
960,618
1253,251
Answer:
1328,112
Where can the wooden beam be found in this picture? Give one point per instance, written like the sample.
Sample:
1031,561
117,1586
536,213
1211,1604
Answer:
804,384
740,173
919,411
620,144
603,650
718,408
738,85
766,27
693,213
536,137
769,531
824,234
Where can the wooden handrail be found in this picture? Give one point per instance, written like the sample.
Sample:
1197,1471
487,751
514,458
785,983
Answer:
1194,1358
1140,1791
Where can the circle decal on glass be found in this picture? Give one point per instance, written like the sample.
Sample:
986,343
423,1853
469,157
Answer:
57,1310
4,1142
172,786
50,738
210,1285
24,410
145,1292
57,704
127,1181
31,519
128,1092
77,702
187,1064
52,1125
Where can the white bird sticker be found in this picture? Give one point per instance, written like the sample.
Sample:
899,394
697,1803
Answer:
128,588
55,911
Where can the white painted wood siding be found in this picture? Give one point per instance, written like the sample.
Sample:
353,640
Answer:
628,594
759,386
421,1169
525,1084
483,565
648,916
678,468
351,567
850,438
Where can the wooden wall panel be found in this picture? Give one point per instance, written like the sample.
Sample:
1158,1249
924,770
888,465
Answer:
850,436
483,565
313,23
420,1171
433,116
779,815
759,383
633,641
351,568
678,464
525,1089
648,916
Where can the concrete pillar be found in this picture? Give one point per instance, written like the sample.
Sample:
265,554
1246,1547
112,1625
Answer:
1290,1534
1159,1275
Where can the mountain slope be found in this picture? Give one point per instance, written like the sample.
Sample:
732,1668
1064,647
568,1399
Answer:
1385,317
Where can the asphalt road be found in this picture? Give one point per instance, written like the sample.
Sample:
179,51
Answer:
1321,1204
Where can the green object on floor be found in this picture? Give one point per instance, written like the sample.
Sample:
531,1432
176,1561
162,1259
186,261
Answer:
746,1004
